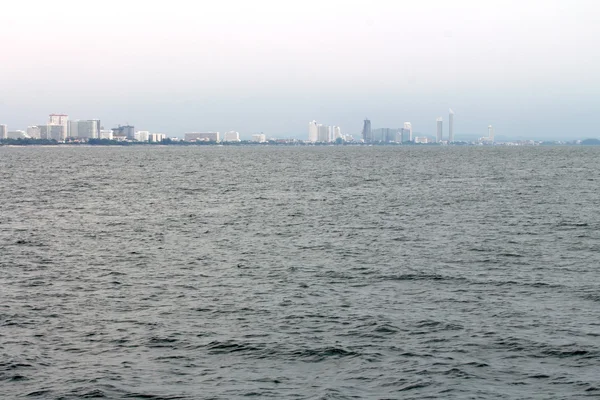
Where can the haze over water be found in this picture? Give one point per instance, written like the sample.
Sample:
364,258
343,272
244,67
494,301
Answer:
299,273
529,68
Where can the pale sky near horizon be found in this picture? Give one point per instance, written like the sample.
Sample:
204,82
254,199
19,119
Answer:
528,67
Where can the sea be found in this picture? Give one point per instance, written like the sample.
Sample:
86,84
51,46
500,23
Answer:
320,272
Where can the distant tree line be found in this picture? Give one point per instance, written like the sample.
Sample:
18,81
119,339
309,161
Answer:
28,142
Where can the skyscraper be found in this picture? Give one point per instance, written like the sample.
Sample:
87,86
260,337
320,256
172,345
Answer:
491,133
440,133
313,131
451,126
3,132
367,134
408,128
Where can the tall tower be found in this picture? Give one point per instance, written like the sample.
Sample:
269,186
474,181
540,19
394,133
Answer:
367,134
408,128
313,131
440,133
451,126
491,133
3,132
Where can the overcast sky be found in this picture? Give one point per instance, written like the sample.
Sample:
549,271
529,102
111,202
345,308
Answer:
528,67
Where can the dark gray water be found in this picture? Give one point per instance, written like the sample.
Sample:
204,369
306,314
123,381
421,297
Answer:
299,273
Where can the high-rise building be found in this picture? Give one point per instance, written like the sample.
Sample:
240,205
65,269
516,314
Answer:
323,133
58,127
156,137
367,134
3,132
451,126
231,136
259,138
337,133
127,131
408,129
491,133
142,136
85,129
34,132
313,131
440,132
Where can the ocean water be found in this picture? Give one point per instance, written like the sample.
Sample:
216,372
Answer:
299,273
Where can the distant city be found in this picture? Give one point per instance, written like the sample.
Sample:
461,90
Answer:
60,130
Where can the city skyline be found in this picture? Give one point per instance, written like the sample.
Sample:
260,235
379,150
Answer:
252,68
59,127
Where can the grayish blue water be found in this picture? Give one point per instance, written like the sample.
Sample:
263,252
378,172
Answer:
299,273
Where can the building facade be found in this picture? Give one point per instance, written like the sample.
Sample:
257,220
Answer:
3,132
231,136
127,131
142,136
85,129
337,133
408,129
440,130
323,133
34,132
313,131
58,127
156,137
367,134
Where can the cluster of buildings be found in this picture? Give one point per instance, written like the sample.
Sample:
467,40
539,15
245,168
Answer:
325,134
405,134
61,129
231,137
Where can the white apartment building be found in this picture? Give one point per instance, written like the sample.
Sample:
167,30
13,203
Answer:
142,136
34,132
231,136
156,137
58,127
84,129
313,131
323,133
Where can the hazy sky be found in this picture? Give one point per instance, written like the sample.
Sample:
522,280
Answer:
528,67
